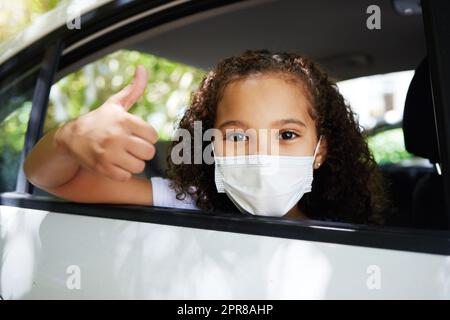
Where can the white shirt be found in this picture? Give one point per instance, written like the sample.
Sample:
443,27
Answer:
165,196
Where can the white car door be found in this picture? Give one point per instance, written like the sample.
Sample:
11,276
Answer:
47,254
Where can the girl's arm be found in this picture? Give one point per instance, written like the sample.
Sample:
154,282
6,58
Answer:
93,157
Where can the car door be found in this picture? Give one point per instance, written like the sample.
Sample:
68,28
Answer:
52,248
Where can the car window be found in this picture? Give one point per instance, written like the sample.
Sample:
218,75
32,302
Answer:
379,101
16,98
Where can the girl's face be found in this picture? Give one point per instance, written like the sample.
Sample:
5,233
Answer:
266,114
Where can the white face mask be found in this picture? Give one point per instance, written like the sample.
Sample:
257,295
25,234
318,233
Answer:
264,184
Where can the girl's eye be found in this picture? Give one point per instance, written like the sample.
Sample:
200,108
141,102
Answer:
236,137
288,135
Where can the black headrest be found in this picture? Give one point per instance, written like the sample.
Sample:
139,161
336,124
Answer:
418,116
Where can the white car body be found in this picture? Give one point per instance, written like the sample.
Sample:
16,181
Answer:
50,255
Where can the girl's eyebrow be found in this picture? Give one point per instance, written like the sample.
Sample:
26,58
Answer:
288,121
232,123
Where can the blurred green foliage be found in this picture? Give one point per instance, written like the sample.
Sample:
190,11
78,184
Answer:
167,93
389,147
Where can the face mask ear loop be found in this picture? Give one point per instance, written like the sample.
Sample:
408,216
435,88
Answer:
317,148
214,152
212,148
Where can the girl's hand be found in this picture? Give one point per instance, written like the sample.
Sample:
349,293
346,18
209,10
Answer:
109,140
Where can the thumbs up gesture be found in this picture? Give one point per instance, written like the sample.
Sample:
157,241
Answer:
109,140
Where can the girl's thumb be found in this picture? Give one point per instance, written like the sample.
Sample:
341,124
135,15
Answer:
128,96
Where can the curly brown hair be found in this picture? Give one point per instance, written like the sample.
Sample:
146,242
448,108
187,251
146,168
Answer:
348,187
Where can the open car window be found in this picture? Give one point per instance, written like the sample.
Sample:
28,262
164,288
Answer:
96,64
374,85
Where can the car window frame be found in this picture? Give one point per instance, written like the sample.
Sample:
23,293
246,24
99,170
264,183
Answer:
38,112
60,60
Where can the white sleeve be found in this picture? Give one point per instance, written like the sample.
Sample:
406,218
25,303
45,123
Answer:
165,196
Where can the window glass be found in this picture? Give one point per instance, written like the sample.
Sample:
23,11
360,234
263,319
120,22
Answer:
15,110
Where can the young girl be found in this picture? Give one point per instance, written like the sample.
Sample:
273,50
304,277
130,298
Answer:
326,170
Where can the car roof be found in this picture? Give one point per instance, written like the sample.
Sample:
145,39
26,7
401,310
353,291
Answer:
334,33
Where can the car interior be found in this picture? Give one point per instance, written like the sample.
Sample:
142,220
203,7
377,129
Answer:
333,33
